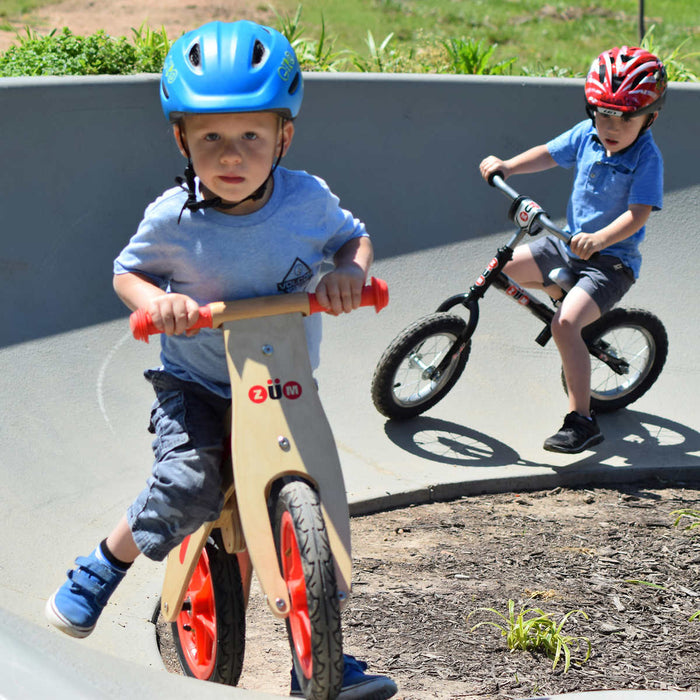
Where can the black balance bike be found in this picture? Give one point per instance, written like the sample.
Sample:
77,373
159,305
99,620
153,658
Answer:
628,347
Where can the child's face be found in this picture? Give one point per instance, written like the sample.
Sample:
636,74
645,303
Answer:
233,153
617,133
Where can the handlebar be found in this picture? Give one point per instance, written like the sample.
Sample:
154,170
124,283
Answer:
213,315
525,212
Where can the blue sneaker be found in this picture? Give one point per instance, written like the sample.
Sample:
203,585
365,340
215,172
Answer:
357,685
76,605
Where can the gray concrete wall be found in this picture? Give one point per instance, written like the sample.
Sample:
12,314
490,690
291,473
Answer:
81,157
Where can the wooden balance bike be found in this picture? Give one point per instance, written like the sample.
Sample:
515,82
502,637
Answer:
286,514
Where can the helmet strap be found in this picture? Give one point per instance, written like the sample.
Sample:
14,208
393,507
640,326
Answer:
188,183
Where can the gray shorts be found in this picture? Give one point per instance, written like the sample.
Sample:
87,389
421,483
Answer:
184,489
605,279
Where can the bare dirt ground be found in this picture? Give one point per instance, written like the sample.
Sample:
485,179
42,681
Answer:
118,17
419,572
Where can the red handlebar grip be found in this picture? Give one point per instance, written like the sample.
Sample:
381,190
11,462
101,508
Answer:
142,325
374,294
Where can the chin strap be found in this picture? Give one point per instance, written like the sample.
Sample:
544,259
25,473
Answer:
189,184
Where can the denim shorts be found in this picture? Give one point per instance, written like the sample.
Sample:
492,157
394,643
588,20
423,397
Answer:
184,489
606,279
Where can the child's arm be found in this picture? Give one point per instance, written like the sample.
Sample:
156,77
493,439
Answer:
171,313
341,289
531,161
626,225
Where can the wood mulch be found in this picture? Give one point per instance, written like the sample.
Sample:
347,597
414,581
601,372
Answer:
419,572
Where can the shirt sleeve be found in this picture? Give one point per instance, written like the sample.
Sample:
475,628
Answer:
565,147
647,185
146,253
341,225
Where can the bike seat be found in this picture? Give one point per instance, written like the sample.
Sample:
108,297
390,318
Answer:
563,277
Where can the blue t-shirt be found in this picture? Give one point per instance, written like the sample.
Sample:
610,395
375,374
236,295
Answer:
213,256
605,186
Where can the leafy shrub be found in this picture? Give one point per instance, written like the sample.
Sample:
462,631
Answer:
65,53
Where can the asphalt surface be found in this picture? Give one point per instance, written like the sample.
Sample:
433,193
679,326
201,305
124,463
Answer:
76,451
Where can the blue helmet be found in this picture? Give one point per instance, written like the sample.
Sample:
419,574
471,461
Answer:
231,67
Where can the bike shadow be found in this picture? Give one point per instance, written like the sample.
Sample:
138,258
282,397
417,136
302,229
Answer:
449,443
634,440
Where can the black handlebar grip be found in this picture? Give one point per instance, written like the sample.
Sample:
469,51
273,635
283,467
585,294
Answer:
498,173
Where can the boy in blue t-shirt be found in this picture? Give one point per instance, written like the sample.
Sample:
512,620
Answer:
238,227
618,182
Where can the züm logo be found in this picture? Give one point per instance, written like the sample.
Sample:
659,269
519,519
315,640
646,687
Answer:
274,390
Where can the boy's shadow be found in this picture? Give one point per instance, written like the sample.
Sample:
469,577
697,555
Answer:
632,440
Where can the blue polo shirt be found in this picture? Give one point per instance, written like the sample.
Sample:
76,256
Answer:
605,186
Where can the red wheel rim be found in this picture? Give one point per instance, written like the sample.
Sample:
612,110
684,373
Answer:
196,625
293,573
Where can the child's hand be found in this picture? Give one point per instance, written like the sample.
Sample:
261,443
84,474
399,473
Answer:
491,165
585,245
340,291
174,313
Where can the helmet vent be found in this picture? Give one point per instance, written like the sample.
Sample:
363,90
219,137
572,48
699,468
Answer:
195,56
295,84
258,53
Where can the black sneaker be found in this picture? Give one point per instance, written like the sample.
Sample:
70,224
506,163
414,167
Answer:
576,435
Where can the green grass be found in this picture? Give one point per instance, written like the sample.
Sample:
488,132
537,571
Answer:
541,36
518,37
10,9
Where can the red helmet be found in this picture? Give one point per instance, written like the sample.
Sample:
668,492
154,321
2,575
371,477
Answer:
626,81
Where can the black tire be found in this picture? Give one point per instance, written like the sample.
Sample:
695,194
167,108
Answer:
209,633
640,339
306,563
405,384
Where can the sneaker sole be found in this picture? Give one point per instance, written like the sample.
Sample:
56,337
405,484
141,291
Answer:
374,689
61,623
594,440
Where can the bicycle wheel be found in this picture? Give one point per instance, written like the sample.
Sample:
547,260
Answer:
306,563
209,632
638,339
407,380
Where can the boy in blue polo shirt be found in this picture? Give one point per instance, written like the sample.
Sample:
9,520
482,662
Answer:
618,182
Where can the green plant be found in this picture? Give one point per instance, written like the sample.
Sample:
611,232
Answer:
65,53
379,56
469,57
694,516
532,629
649,584
675,64
151,49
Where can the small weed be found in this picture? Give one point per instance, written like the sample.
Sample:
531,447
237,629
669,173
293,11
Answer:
379,56
694,516
313,55
532,629
469,57
649,584
676,70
